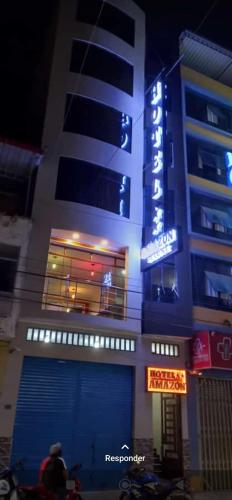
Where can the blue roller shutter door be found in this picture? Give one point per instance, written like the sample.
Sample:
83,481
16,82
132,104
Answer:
86,406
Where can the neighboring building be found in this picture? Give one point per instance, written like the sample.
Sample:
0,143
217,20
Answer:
80,319
190,291
18,169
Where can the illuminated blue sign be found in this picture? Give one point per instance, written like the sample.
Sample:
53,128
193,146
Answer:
107,279
228,158
163,243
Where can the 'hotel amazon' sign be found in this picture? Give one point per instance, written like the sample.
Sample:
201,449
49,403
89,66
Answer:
164,241
166,380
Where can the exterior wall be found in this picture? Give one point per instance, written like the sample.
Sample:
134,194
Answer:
15,231
179,313
49,213
142,431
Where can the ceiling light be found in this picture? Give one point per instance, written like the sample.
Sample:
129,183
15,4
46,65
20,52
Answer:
92,273
53,266
73,296
68,310
76,236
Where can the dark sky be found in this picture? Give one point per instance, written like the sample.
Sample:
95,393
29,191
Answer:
25,33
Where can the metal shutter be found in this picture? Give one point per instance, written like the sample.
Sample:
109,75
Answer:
86,406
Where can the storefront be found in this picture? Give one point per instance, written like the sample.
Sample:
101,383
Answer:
70,401
167,386
212,359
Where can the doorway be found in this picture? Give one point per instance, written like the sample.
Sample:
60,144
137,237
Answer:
167,436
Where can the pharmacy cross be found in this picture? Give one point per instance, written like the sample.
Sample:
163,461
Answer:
224,348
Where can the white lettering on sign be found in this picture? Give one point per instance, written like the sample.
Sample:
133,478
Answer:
157,155
161,247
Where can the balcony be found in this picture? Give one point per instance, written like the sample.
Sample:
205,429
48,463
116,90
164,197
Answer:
222,304
213,233
84,279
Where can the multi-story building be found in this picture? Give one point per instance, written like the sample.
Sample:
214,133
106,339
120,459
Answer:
18,169
77,373
187,268
80,316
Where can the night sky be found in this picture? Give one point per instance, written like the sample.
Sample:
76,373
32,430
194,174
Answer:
26,29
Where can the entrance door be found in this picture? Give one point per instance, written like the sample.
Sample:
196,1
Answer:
171,434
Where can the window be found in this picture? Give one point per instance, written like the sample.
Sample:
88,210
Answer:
171,350
212,114
81,340
90,184
109,68
207,160
8,267
208,111
85,281
212,282
94,119
162,285
111,19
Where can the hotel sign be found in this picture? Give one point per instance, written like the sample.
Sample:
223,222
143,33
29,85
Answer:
163,246
166,380
163,243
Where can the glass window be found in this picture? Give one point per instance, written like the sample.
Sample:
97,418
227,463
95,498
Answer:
161,283
8,267
94,119
109,68
106,17
208,111
207,160
90,184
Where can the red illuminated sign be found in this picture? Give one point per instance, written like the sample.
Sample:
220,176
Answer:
212,350
166,380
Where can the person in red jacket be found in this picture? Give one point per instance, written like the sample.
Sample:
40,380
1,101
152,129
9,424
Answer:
53,473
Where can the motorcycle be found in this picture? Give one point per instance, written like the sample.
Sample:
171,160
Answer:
143,485
8,485
10,489
39,492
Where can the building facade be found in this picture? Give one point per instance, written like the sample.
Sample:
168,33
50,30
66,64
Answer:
18,169
187,278
114,345
80,315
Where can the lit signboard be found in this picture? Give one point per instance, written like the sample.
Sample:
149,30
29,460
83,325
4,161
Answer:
166,244
166,380
162,244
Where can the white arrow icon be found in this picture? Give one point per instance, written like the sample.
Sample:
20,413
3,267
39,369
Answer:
125,446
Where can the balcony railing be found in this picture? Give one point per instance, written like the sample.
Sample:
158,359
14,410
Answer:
81,290
223,304
198,228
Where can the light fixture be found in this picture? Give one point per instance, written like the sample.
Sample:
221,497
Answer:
47,340
76,236
53,266
70,242
92,273
68,310
73,296
123,271
104,243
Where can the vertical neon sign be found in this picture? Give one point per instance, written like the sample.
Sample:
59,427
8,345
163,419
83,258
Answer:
157,158
164,242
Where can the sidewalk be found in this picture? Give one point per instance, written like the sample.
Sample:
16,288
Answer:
101,495
114,495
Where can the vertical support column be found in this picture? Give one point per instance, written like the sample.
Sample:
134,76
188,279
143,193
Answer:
8,402
143,433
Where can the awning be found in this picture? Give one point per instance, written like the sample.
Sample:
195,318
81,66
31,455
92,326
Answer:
218,217
220,282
